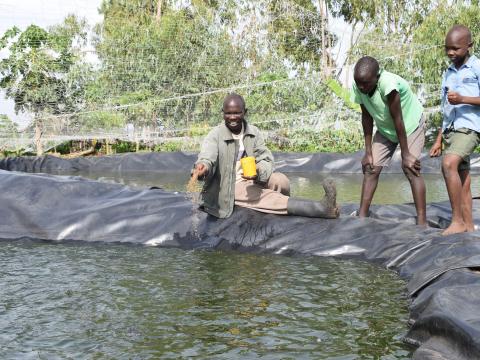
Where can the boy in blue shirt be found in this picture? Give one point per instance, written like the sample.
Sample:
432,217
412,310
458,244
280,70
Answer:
461,125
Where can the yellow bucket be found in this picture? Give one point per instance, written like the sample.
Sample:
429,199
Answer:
248,166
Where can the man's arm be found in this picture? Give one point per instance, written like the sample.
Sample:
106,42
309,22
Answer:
208,156
408,160
263,158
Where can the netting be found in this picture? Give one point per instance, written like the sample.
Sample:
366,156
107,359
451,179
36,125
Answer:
155,72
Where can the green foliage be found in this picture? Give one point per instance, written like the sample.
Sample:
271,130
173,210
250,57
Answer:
343,94
102,120
298,34
328,140
390,16
35,73
123,147
431,64
8,128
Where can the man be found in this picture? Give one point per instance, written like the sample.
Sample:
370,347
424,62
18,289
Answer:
225,185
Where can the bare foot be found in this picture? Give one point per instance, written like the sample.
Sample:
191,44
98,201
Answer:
470,227
455,228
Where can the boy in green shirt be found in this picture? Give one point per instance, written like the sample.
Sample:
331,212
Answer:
387,100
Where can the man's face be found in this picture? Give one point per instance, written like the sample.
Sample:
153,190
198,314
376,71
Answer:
366,83
233,114
457,47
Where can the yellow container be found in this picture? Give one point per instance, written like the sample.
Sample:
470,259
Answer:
248,166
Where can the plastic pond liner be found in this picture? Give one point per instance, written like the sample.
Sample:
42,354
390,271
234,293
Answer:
441,272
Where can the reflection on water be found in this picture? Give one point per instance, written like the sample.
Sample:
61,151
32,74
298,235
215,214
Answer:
129,302
392,188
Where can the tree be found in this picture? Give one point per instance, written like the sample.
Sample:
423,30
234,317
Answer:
431,34
35,73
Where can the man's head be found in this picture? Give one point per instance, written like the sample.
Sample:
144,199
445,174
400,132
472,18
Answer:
234,112
366,74
458,43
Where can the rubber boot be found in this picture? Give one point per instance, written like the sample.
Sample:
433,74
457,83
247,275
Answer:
325,208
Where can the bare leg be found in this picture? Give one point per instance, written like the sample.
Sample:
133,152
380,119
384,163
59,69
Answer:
417,183
369,185
466,199
453,181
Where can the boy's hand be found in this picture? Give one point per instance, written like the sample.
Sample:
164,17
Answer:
436,149
454,98
367,163
201,170
411,163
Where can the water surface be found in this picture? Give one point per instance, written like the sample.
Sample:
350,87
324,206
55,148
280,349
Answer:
392,188
94,301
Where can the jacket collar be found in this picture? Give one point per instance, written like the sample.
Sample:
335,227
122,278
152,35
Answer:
226,134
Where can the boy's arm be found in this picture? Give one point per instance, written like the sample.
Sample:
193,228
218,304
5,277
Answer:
367,125
455,98
408,160
436,149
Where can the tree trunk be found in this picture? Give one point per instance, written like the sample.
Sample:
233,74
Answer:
159,11
38,137
324,47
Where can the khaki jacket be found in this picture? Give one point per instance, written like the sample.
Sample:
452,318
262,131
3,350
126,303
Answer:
219,153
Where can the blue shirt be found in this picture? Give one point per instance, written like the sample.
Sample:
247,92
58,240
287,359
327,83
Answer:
466,82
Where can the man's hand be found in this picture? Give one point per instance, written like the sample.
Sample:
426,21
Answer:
201,170
454,98
411,163
436,149
367,163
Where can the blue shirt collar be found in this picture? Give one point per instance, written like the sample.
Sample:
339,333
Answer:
468,64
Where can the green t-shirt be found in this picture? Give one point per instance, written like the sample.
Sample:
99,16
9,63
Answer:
377,105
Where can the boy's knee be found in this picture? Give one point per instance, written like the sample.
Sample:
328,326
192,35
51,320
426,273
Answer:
450,163
408,173
372,171
279,182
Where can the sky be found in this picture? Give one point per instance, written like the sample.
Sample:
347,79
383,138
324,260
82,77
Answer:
44,13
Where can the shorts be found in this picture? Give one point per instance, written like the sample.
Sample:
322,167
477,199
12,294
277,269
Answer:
461,142
383,149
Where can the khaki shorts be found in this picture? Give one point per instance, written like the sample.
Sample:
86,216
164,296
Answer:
461,142
383,149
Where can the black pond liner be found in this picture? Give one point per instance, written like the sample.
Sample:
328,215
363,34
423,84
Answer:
442,280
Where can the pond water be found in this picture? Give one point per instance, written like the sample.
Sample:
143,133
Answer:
94,301
79,301
392,188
